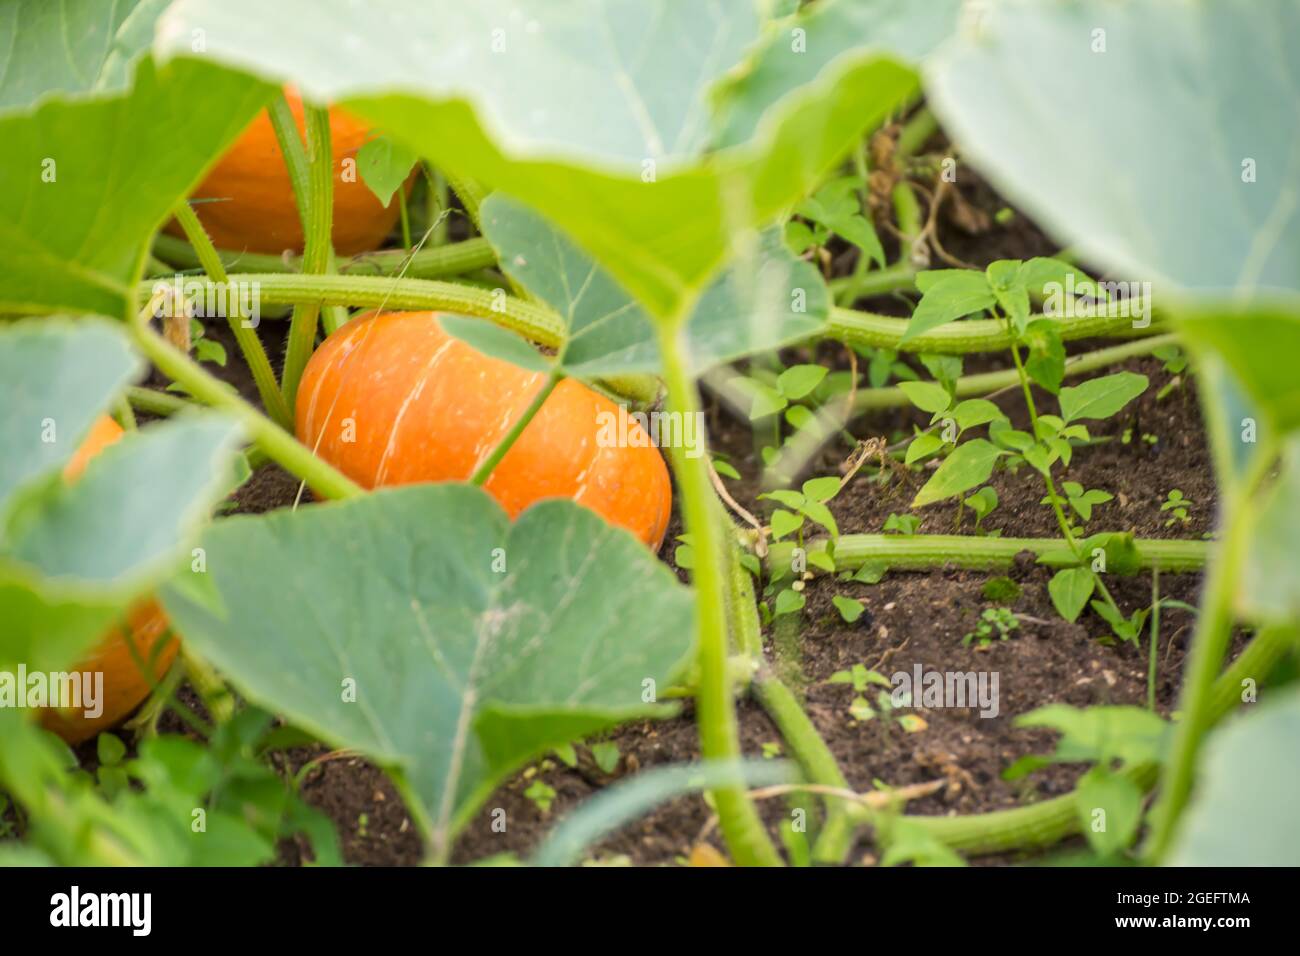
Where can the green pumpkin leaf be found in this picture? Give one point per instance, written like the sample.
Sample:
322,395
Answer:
436,663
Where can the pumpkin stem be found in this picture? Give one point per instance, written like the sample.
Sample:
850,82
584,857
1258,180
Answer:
484,470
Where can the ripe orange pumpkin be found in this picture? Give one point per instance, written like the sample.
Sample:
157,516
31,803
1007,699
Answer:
254,208
390,399
125,688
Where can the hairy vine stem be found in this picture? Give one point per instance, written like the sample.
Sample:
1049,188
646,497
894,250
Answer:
317,252
972,335
738,819
246,336
1208,646
278,444
429,262
922,552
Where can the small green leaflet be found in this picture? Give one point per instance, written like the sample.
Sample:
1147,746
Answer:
948,295
1070,589
384,165
966,468
1101,397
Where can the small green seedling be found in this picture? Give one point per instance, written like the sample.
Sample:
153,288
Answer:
790,600
884,365
983,502
835,209
606,754
850,608
995,623
860,677
902,524
542,795
112,775
771,749
1080,500
806,504
1178,506
1175,363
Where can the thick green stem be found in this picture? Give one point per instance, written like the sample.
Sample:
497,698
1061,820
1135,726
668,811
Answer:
985,383
155,402
439,195
746,630
1155,639
317,250
406,219
740,824
470,193
817,762
533,322
972,335
849,289
295,157
245,335
1056,501
429,262
1046,823
124,414
323,478
924,552
484,471
1208,646
908,213
915,132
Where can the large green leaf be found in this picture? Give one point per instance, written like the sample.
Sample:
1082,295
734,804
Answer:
472,643
1243,813
764,300
44,633
594,112
73,46
1269,582
1259,343
1201,107
58,376
833,29
86,182
71,557
126,520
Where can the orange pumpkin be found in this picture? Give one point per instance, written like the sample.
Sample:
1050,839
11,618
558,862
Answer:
390,399
254,209
125,688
